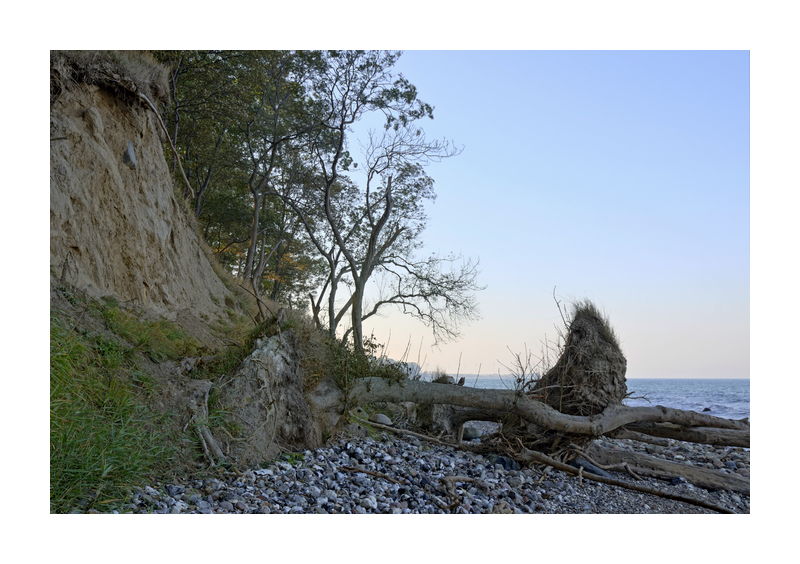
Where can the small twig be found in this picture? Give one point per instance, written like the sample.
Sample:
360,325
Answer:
407,432
356,469
450,485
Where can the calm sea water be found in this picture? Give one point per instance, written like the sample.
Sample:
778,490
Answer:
728,398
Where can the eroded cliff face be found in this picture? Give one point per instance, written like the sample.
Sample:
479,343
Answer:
116,227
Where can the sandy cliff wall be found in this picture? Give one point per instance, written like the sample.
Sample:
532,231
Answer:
116,227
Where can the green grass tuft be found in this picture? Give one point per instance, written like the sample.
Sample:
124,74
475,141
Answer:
160,340
102,440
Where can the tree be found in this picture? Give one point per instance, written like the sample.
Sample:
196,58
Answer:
379,230
233,116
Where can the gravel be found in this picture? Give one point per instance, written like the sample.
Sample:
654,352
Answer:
400,475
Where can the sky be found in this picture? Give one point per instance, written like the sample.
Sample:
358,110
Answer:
621,177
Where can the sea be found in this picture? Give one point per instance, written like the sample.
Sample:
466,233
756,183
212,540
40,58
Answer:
721,397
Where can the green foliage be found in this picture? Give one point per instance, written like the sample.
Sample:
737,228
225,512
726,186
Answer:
102,438
241,345
160,339
294,458
348,364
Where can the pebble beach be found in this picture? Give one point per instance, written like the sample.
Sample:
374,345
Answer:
392,474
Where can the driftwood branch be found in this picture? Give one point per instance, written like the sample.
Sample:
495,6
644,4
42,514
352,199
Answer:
358,469
536,457
625,433
705,435
702,477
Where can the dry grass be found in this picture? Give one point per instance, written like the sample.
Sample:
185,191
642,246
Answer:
586,310
125,72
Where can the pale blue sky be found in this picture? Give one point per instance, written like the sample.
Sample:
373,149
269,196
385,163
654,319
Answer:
617,176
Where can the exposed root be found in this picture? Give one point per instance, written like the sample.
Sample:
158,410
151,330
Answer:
407,432
640,437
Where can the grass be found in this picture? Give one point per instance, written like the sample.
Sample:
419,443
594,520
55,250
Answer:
587,310
103,439
160,339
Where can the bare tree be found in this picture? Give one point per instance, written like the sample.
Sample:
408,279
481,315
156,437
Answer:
373,225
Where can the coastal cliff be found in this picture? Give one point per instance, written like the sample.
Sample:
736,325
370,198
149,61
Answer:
116,225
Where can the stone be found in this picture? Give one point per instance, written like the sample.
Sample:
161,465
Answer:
129,156
380,418
471,431
174,490
505,462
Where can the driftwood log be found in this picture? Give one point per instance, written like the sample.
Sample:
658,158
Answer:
660,468
500,403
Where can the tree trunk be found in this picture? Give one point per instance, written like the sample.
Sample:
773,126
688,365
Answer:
251,250
332,303
356,312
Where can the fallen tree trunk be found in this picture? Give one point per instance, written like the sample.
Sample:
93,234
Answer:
703,477
705,435
505,402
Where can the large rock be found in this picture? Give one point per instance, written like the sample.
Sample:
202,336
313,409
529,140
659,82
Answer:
265,400
436,418
380,418
477,429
